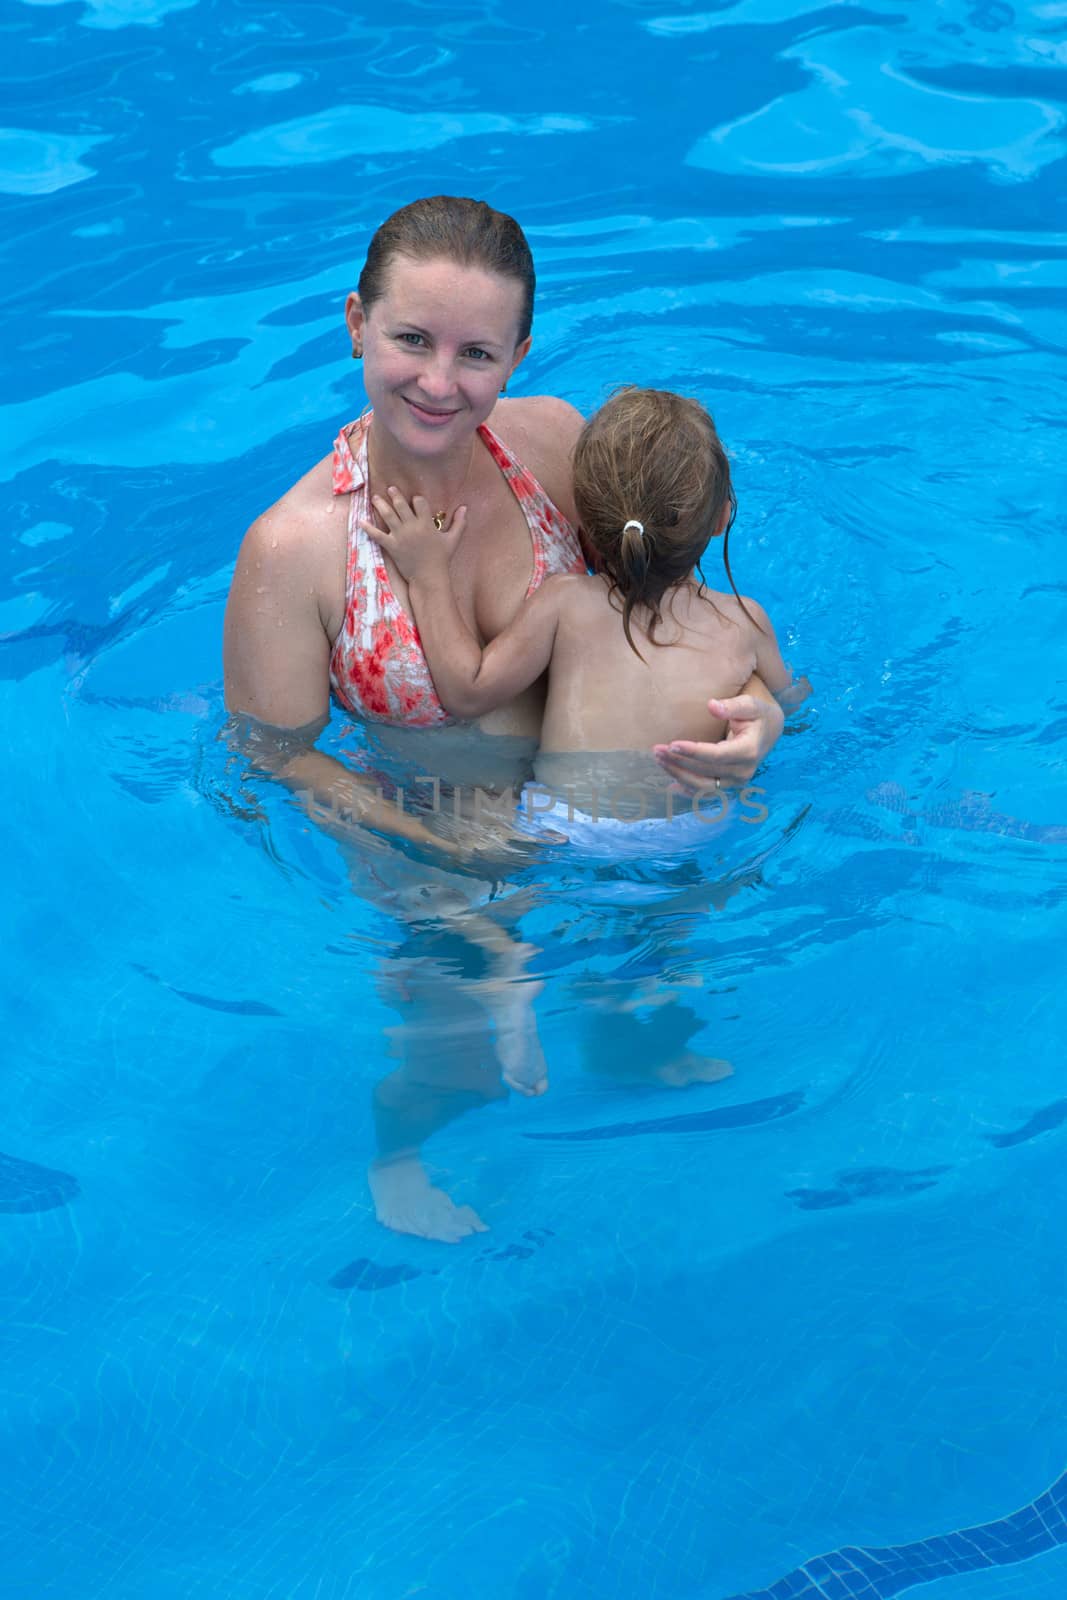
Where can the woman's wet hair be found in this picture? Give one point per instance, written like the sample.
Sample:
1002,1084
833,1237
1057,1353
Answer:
448,228
652,487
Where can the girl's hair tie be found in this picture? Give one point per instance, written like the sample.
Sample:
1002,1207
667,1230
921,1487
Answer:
633,523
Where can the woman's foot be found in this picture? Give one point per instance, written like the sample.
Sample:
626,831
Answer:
406,1201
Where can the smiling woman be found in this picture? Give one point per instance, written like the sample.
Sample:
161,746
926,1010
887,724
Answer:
442,320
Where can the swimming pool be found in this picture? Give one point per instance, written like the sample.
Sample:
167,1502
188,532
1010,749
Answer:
796,1333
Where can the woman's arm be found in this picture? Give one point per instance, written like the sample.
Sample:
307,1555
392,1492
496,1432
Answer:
333,797
754,723
754,718
276,652
276,655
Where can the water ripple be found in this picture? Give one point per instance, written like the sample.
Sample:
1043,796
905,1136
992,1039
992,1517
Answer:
111,14
830,127
353,131
40,163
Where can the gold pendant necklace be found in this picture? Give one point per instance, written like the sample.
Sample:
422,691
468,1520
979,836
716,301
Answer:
441,517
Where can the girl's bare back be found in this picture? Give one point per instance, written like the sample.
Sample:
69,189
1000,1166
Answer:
603,696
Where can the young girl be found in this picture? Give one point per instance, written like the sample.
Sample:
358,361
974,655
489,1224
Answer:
632,650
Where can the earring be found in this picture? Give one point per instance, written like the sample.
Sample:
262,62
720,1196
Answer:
504,390
357,352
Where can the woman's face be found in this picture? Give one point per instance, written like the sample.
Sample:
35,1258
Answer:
437,349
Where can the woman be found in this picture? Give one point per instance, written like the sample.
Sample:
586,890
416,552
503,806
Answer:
441,322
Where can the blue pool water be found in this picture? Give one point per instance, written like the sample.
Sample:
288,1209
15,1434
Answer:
795,1334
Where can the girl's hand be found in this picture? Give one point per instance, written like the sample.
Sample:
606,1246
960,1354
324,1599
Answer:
753,726
410,536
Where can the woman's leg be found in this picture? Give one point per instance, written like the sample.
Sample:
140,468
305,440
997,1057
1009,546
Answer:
467,1022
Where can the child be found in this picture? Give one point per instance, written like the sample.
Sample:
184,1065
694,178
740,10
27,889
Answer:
633,649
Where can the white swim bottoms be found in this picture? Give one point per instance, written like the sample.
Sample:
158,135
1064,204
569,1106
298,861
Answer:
613,838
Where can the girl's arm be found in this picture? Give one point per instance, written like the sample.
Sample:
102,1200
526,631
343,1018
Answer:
468,679
790,692
769,664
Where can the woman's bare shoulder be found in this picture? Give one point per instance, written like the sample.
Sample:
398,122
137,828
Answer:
299,530
537,423
541,431
299,542
537,411
303,506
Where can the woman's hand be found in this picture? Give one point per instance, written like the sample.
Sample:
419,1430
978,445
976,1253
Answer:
753,726
411,535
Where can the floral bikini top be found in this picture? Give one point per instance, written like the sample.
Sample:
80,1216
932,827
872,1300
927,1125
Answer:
377,669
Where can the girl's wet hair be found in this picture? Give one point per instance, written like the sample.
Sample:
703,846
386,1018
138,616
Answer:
651,460
448,228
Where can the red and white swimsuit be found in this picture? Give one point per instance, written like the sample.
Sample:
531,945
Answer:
377,669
